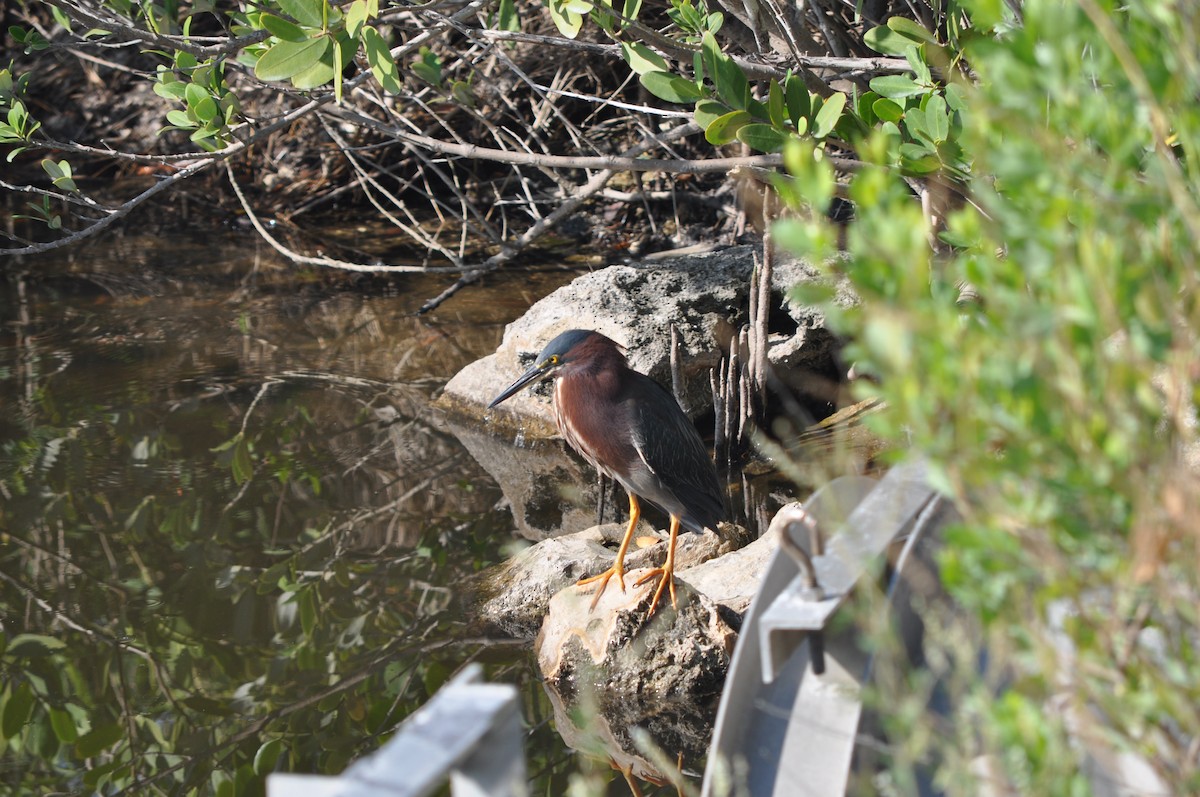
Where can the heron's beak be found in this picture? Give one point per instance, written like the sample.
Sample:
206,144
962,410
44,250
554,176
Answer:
534,374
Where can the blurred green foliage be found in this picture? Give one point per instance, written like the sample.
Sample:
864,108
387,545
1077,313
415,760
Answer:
1035,338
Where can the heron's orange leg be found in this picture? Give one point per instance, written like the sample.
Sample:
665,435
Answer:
666,573
618,567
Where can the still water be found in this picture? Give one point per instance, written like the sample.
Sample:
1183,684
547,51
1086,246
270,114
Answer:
234,531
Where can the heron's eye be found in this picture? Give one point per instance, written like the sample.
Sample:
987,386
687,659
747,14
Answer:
553,359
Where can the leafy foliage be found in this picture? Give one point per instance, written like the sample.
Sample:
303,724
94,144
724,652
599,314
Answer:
1058,407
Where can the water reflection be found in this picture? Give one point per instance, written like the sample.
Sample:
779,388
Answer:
234,532
233,529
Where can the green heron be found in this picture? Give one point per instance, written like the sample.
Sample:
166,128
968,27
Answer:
631,429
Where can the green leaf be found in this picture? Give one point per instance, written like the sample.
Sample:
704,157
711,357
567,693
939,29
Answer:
708,111
320,73
508,19
267,755
910,30
866,107
724,129
206,110
776,105
171,88
30,646
356,18
919,67
281,29
17,710
180,119
883,39
642,59
918,158
763,138
937,119
727,77
308,611
243,466
287,59
887,110
306,12
813,176
63,726
915,124
61,17
228,444
799,104
956,97
60,174
827,117
99,739
568,22
895,86
428,67
670,88
379,57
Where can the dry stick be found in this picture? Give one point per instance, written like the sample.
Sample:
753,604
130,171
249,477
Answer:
367,182
752,325
716,380
625,162
115,215
592,186
731,404
296,257
752,69
764,309
745,395
676,373
200,162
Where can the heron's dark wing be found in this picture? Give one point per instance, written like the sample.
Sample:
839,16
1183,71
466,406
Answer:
681,477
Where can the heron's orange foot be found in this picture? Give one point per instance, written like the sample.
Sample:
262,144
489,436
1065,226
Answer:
665,577
602,579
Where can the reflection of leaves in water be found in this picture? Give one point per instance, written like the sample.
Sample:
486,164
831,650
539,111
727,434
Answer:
159,638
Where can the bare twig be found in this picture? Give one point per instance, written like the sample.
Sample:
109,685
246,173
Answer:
327,262
591,187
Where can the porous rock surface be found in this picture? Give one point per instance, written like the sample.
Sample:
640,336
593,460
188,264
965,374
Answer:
705,297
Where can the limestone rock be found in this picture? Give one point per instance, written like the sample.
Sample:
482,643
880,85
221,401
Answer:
616,650
516,594
703,296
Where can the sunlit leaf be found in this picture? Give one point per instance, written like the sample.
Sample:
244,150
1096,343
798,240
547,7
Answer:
895,86
379,58
642,59
708,111
280,28
910,30
724,130
827,118
671,88
883,39
356,18
287,59
306,12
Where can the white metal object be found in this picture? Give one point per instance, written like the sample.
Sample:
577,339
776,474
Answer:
469,732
